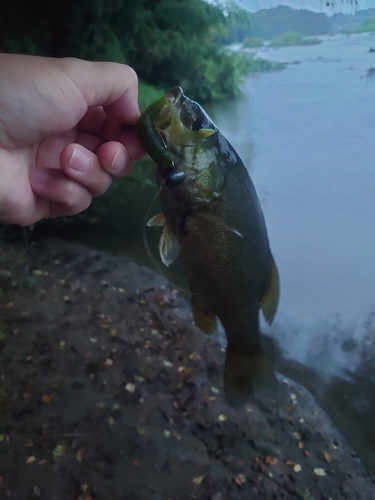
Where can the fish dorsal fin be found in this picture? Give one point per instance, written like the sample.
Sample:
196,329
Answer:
203,317
156,221
270,299
169,246
216,219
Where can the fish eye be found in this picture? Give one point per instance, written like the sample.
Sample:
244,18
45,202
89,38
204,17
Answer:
197,125
175,177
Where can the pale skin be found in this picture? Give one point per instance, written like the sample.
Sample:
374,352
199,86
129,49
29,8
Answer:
61,141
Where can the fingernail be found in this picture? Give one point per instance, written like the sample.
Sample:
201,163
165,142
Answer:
119,162
80,160
38,177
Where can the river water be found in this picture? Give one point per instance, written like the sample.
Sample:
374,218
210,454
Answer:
307,136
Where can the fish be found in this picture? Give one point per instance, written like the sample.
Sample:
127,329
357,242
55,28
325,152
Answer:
213,221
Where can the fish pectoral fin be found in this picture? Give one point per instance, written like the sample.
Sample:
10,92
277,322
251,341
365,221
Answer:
169,246
157,221
203,316
270,299
247,374
216,219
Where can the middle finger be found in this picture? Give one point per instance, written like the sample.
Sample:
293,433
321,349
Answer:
83,166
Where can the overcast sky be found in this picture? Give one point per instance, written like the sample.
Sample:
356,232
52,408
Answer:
316,5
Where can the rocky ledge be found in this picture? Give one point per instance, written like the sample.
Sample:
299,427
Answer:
108,391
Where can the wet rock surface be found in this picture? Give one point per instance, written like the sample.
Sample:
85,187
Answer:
108,391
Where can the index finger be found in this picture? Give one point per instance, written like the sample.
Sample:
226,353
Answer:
111,85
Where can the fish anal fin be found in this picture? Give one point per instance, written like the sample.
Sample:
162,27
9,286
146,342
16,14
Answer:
169,246
157,221
203,317
270,299
247,374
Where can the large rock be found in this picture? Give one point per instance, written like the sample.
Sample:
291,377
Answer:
109,392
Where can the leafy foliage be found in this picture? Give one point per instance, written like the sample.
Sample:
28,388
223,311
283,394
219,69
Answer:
262,65
238,24
253,42
291,38
167,42
147,94
367,25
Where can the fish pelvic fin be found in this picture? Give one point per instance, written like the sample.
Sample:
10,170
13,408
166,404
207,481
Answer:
270,299
156,221
247,374
203,317
169,246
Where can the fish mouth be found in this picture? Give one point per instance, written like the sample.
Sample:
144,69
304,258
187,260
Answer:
175,95
181,105
190,112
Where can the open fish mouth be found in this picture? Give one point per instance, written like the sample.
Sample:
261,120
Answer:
175,95
178,99
190,113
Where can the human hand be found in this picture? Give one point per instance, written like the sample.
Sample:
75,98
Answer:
60,136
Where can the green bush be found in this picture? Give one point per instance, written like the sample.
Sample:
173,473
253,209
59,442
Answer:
311,41
147,94
167,42
367,25
291,38
262,65
253,42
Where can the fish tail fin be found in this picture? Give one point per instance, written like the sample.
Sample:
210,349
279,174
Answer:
247,374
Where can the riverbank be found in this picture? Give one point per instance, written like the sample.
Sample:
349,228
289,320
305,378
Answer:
109,391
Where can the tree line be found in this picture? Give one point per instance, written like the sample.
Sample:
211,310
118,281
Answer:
167,42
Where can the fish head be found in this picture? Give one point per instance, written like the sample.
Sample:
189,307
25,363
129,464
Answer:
190,134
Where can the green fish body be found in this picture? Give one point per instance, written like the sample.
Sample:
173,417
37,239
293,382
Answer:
215,221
